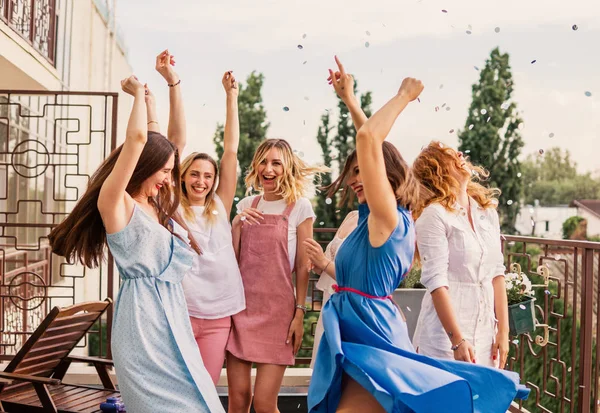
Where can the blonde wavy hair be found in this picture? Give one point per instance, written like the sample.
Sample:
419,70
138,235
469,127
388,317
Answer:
436,167
209,203
297,177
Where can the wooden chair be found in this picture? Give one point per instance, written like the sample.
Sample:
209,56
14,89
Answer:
32,382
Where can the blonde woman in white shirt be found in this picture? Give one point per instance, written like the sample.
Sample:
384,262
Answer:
213,288
464,315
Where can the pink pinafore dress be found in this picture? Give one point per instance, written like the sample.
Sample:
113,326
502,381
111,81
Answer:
259,332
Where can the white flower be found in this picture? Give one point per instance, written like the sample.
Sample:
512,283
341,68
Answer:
527,284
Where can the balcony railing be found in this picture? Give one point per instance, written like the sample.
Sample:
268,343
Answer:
34,21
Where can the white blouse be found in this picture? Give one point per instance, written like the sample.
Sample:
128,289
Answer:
465,261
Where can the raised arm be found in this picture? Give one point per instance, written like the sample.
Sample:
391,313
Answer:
176,131
114,203
231,139
344,87
369,141
151,115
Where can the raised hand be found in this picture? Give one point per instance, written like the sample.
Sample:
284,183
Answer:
230,84
411,88
131,85
342,82
164,65
150,100
315,254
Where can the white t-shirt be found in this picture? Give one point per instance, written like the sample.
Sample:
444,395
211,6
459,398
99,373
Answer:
302,211
213,287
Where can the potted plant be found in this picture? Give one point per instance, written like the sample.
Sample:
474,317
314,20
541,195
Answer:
521,311
409,296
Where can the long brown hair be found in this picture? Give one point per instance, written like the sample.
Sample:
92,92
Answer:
434,169
399,174
209,202
82,236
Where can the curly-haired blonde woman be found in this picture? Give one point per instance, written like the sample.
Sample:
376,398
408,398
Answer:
265,238
464,315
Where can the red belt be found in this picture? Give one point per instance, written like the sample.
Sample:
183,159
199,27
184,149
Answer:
337,289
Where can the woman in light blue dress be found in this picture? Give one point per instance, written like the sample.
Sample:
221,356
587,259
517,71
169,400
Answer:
130,205
366,362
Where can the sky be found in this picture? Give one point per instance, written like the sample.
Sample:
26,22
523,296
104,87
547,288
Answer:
406,38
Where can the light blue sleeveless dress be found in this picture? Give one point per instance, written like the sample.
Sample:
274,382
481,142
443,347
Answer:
367,339
157,361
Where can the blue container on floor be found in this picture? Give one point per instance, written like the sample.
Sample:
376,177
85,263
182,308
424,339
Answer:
112,405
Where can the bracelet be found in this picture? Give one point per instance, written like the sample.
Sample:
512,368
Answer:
174,84
454,348
302,307
152,121
324,270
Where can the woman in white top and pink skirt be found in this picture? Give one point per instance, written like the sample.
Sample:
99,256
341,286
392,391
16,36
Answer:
213,288
464,315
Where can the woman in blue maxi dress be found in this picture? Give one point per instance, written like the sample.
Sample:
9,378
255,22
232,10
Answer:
366,361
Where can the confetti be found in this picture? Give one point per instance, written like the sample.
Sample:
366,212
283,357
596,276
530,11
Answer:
306,98
215,212
345,115
328,201
468,151
547,292
408,308
321,223
367,44
443,105
533,61
476,68
301,154
541,151
509,202
497,29
471,126
437,108
300,47
286,109
469,32
574,27
488,119
368,33
483,111
444,11
304,36
476,397
451,131
588,93
236,199
442,86
505,106
519,175
242,218
515,341
304,62
569,369
551,135
522,307
447,108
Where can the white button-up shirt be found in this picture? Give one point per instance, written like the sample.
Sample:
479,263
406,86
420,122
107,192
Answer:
464,261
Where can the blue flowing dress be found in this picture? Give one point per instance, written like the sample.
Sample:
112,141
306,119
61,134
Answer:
368,340
157,361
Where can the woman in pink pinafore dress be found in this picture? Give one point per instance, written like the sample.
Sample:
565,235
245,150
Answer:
265,238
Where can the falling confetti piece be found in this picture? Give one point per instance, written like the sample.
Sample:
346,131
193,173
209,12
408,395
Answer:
300,47
215,212
444,105
328,201
368,33
569,369
468,151
242,218
574,27
519,175
441,86
301,154
304,36
488,119
476,397
509,202
469,32
483,111
321,223
451,131
497,29
345,115
505,106
236,199
588,93
515,341
444,11
533,61
547,292
408,308
447,108
471,126
476,68
522,307
437,108
304,62
367,44
551,135
305,97
541,151
286,109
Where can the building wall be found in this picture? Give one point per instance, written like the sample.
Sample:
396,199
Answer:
593,222
548,220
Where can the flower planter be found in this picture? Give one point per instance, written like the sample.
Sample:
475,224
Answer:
521,317
409,300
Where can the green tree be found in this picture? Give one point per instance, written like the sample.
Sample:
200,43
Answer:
253,127
337,146
552,179
492,135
